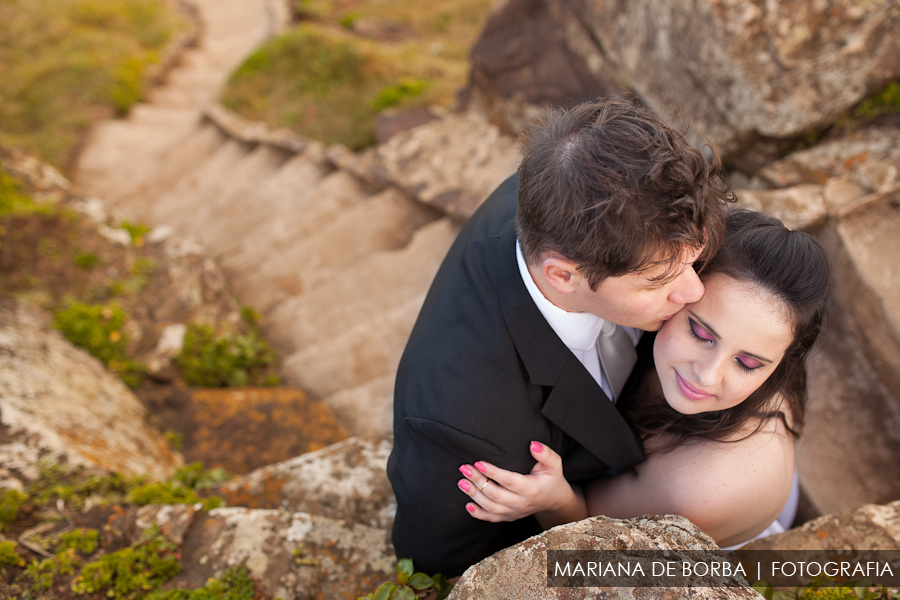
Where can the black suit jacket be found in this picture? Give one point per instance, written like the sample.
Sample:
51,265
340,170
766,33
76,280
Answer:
482,375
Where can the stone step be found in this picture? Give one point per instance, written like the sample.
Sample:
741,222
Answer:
371,286
367,409
385,221
182,157
279,195
309,212
242,181
369,349
119,152
198,185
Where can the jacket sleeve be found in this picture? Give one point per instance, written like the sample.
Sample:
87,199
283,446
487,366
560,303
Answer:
432,525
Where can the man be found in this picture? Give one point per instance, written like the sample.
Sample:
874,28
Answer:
610,209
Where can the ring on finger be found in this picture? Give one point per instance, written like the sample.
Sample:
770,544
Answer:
485,485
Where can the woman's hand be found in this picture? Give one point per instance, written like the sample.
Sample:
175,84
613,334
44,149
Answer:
500,495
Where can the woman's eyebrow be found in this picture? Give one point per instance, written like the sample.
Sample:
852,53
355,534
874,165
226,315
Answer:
718,337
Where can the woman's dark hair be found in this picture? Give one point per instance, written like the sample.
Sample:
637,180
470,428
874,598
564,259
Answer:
793,267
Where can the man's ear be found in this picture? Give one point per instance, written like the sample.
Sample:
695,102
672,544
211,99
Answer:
562,274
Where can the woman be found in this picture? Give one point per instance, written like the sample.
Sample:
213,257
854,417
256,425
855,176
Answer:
719,416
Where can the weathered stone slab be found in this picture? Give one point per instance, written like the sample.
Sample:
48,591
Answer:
346,481
294,555
520,572
870,527
452,164
56,398
752,76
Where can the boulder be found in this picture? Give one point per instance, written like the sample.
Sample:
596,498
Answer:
753,77
452,164
346,481
57,399
870,527
520,572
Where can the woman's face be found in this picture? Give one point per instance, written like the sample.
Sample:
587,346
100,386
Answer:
717,351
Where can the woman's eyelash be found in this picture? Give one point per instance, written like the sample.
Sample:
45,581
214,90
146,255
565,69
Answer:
744,367
694,334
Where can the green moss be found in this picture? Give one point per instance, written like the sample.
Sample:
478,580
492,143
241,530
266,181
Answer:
196,477
8,556
885,102
131,572
13,199
235,584
393,95
10,502
99,330
87,260
74,487
182,488
81,540
208,359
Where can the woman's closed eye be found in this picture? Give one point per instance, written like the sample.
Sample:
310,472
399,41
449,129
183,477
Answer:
699,333
747,364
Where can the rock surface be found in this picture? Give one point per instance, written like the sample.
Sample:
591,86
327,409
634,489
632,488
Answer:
242,429
520,572
752,76
57,399
347,480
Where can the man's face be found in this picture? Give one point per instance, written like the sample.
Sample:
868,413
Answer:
641,300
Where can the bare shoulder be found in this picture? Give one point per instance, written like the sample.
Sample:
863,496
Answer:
730,489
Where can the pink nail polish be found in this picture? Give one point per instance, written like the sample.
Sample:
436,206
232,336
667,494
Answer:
464,485
465,471
479,466
470,508
536,447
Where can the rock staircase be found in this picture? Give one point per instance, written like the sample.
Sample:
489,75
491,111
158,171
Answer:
337,255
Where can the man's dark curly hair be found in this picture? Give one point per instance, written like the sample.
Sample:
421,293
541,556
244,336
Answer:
615,189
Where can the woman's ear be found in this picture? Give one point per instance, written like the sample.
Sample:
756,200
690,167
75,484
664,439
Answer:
562,274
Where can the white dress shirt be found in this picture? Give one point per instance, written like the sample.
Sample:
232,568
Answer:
577,330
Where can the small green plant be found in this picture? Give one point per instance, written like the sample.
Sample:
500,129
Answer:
885,102
13,199
74,487
8,556
346,21
130,572
137,231
163,492
10,502
86,260
99,330
174,439
81,540
234,584
196,477
393,95
408,583
228,360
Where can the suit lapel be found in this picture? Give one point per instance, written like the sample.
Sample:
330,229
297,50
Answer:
576,404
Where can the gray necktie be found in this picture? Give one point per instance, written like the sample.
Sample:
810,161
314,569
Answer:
617,356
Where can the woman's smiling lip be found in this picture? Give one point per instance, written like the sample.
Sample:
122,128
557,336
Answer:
690,391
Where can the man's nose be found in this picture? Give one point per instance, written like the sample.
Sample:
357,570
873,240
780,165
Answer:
688,287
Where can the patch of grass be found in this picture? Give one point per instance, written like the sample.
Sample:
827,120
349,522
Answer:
87,260
137,231
133,571
234,584
99,329
10,502
14,200
209,359
325,82
8,556
67,63
885,102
